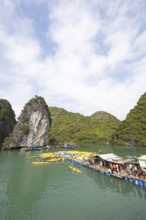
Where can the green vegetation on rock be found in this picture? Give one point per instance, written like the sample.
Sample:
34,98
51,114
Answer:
7,120
100,127
132,131
74,127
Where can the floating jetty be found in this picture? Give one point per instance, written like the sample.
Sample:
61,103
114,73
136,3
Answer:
93,161
108,164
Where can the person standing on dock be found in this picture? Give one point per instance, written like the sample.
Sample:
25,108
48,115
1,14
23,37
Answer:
101,164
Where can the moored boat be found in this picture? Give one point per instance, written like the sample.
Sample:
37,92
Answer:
75,169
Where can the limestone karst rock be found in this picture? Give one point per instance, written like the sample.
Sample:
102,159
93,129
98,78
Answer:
7,120
32,127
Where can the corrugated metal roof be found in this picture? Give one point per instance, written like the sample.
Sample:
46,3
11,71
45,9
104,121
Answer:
114,158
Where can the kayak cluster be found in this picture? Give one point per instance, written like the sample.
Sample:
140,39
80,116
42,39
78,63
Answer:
47,158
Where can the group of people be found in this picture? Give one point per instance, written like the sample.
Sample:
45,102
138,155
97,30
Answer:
130,169
136,170
112,167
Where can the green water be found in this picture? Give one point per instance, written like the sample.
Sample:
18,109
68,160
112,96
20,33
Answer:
52,192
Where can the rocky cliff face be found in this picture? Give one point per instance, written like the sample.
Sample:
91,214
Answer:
7,120
32,127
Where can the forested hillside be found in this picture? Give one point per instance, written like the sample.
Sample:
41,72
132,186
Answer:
132,131
74,127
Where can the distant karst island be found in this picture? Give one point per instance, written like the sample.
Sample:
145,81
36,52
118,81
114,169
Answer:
40,125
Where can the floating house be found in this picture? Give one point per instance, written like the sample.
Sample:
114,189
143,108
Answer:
112,158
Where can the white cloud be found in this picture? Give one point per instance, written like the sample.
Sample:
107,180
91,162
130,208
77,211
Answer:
94,59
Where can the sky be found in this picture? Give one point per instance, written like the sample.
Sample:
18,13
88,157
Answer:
83,56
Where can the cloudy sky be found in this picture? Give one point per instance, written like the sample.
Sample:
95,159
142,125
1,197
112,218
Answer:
81,55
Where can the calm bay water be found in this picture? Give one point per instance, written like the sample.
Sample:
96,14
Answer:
53,192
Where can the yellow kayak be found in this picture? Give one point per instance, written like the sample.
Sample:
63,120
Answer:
47,155
75,169
40,163
29,158
54,160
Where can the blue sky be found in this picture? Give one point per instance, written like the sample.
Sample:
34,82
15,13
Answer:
84,56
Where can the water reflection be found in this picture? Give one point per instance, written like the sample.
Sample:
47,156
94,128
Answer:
117,185
21,187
